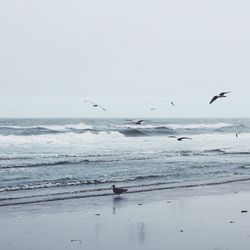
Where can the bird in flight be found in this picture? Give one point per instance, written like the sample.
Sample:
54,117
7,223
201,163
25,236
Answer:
180,138
139,122
95,105
152,109
172,104
118,190
222,94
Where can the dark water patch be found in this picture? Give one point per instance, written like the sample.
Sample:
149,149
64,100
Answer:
9,158
201,153
44,164
233,129
216,150
237,153
244,167
94,159
132,132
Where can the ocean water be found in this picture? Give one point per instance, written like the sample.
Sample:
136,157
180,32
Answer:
52,159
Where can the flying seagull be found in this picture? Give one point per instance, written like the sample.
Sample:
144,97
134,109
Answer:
139,122
118,190
95,105
172,104
222,94
180,138
152,109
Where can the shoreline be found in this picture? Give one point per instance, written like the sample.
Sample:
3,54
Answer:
85,194
191,218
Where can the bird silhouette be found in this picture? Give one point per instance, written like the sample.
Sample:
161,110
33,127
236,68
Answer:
118,191
139,122
95,105
222,94
180,138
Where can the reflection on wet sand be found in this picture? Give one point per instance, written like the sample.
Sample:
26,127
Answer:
117,202
137,230
141,232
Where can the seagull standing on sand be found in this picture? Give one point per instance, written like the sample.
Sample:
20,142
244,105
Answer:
180,138
118,190
95,105
222,94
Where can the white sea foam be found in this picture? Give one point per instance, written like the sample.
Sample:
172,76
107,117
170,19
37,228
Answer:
199,125
52,127
60,138
134,126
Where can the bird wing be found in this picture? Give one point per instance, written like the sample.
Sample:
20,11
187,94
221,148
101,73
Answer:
213,99
123,189
224,93
119,190
95,104
90,102
139,121
172,136
101,107
182,138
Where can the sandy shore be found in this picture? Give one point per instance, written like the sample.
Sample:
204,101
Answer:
186,219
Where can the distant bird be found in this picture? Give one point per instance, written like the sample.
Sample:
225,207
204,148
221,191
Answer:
222,94
118,190
180,138
237,134
95,105
172,104
152,109
183,138
139,122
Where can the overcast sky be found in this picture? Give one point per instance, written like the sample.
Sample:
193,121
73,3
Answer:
127,55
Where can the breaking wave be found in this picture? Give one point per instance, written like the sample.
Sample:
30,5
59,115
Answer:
52,133
73,182
43,129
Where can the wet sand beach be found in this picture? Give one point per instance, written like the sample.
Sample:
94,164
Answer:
193,218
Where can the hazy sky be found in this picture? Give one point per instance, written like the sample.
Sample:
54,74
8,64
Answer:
127,55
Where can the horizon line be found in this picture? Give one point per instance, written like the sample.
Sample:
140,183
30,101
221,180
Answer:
133,117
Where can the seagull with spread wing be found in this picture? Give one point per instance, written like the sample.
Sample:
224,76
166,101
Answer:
139,122
95,105
180,138
222,94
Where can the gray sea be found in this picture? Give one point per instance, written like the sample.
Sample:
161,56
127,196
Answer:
56,159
